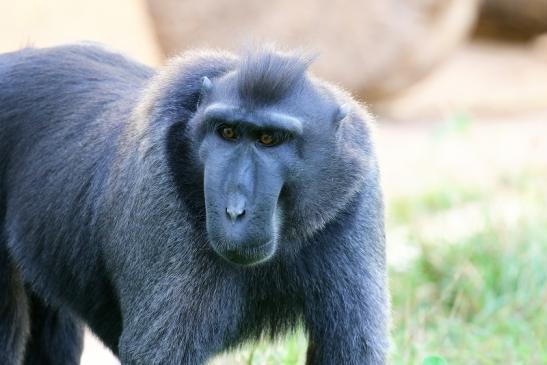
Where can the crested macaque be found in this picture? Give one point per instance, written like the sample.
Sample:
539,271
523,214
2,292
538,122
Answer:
182,211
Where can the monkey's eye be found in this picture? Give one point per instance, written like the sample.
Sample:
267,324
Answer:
227,132
268,139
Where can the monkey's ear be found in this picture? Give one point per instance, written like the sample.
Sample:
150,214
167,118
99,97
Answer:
206,86
341,113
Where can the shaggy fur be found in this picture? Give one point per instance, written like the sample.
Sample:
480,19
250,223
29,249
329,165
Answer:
111,210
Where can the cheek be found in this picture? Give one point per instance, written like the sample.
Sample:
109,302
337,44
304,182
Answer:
309,170
212,188
203,152
283,161
212,182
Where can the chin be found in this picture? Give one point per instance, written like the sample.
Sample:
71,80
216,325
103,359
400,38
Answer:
247,255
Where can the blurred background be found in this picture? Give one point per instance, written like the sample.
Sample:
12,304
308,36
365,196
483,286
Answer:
459,88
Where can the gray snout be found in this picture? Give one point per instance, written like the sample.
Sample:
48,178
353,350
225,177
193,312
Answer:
235,209
246,235
241,201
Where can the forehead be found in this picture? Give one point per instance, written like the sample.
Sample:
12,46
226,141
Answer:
306,100
258,118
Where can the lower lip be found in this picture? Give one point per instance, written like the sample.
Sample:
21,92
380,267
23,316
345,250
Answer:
251,252
259,247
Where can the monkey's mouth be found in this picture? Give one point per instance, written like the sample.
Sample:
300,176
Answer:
249,254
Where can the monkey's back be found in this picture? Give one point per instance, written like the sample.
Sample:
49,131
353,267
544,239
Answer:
61,112
43,91
58,94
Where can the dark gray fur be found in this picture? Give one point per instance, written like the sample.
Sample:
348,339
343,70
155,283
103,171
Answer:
104,217
266,76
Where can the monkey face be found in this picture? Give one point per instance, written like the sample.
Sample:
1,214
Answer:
247,160
274,171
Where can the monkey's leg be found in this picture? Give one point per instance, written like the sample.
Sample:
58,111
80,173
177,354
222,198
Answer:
13,313
56,337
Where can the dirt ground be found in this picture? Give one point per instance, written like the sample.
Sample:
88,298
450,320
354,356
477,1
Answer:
494,95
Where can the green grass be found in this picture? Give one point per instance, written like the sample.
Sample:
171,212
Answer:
480,299
408,208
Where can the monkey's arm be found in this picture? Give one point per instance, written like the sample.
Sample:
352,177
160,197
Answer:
182,321
346,312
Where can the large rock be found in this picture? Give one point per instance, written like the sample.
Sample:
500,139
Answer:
374,47
513,19
123,25
483,79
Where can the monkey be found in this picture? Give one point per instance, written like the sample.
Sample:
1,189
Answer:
181,212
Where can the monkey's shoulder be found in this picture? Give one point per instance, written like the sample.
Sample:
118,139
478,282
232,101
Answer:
67,66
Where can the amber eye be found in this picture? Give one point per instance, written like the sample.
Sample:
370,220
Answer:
267,139
228,132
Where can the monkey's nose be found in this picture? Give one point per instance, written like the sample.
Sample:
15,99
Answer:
235,206
234,213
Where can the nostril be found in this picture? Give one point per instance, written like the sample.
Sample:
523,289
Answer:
234,214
